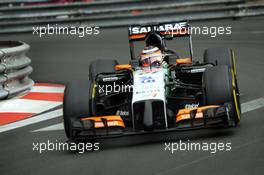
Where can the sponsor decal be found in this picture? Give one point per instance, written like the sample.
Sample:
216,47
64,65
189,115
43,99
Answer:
148,91
160,28
197,70
110,79
149,79
122,113
192,106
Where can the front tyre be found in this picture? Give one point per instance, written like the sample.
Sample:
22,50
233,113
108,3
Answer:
220,88
76,104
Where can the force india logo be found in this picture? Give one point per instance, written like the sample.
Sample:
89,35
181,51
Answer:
160,28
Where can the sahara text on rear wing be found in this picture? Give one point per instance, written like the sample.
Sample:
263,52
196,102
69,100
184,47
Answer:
167,30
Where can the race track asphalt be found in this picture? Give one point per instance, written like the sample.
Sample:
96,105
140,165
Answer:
64,58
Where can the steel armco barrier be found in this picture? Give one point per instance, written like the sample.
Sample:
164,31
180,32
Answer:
116,13
14,68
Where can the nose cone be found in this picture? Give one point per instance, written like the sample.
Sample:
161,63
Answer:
148,116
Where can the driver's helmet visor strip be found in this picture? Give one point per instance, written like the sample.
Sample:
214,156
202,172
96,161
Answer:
149,58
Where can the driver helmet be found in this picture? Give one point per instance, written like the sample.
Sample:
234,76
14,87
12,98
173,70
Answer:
150,55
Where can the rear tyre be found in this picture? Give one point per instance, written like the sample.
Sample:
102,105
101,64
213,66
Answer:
220,87
101,66
76,103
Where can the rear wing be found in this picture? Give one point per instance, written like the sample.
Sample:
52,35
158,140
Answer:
167,30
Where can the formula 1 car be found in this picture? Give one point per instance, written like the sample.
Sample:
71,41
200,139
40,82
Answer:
171,94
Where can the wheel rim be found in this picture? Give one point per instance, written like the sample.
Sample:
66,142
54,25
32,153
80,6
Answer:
236,97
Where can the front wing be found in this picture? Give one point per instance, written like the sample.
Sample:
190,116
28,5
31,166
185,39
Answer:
186,119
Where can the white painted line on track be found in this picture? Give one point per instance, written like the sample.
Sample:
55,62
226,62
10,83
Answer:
27,105
55,127
252,105
32,120
47,89
245,107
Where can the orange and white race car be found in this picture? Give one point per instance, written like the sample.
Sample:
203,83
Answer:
158,91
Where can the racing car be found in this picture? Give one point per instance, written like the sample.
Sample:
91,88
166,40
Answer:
157,91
